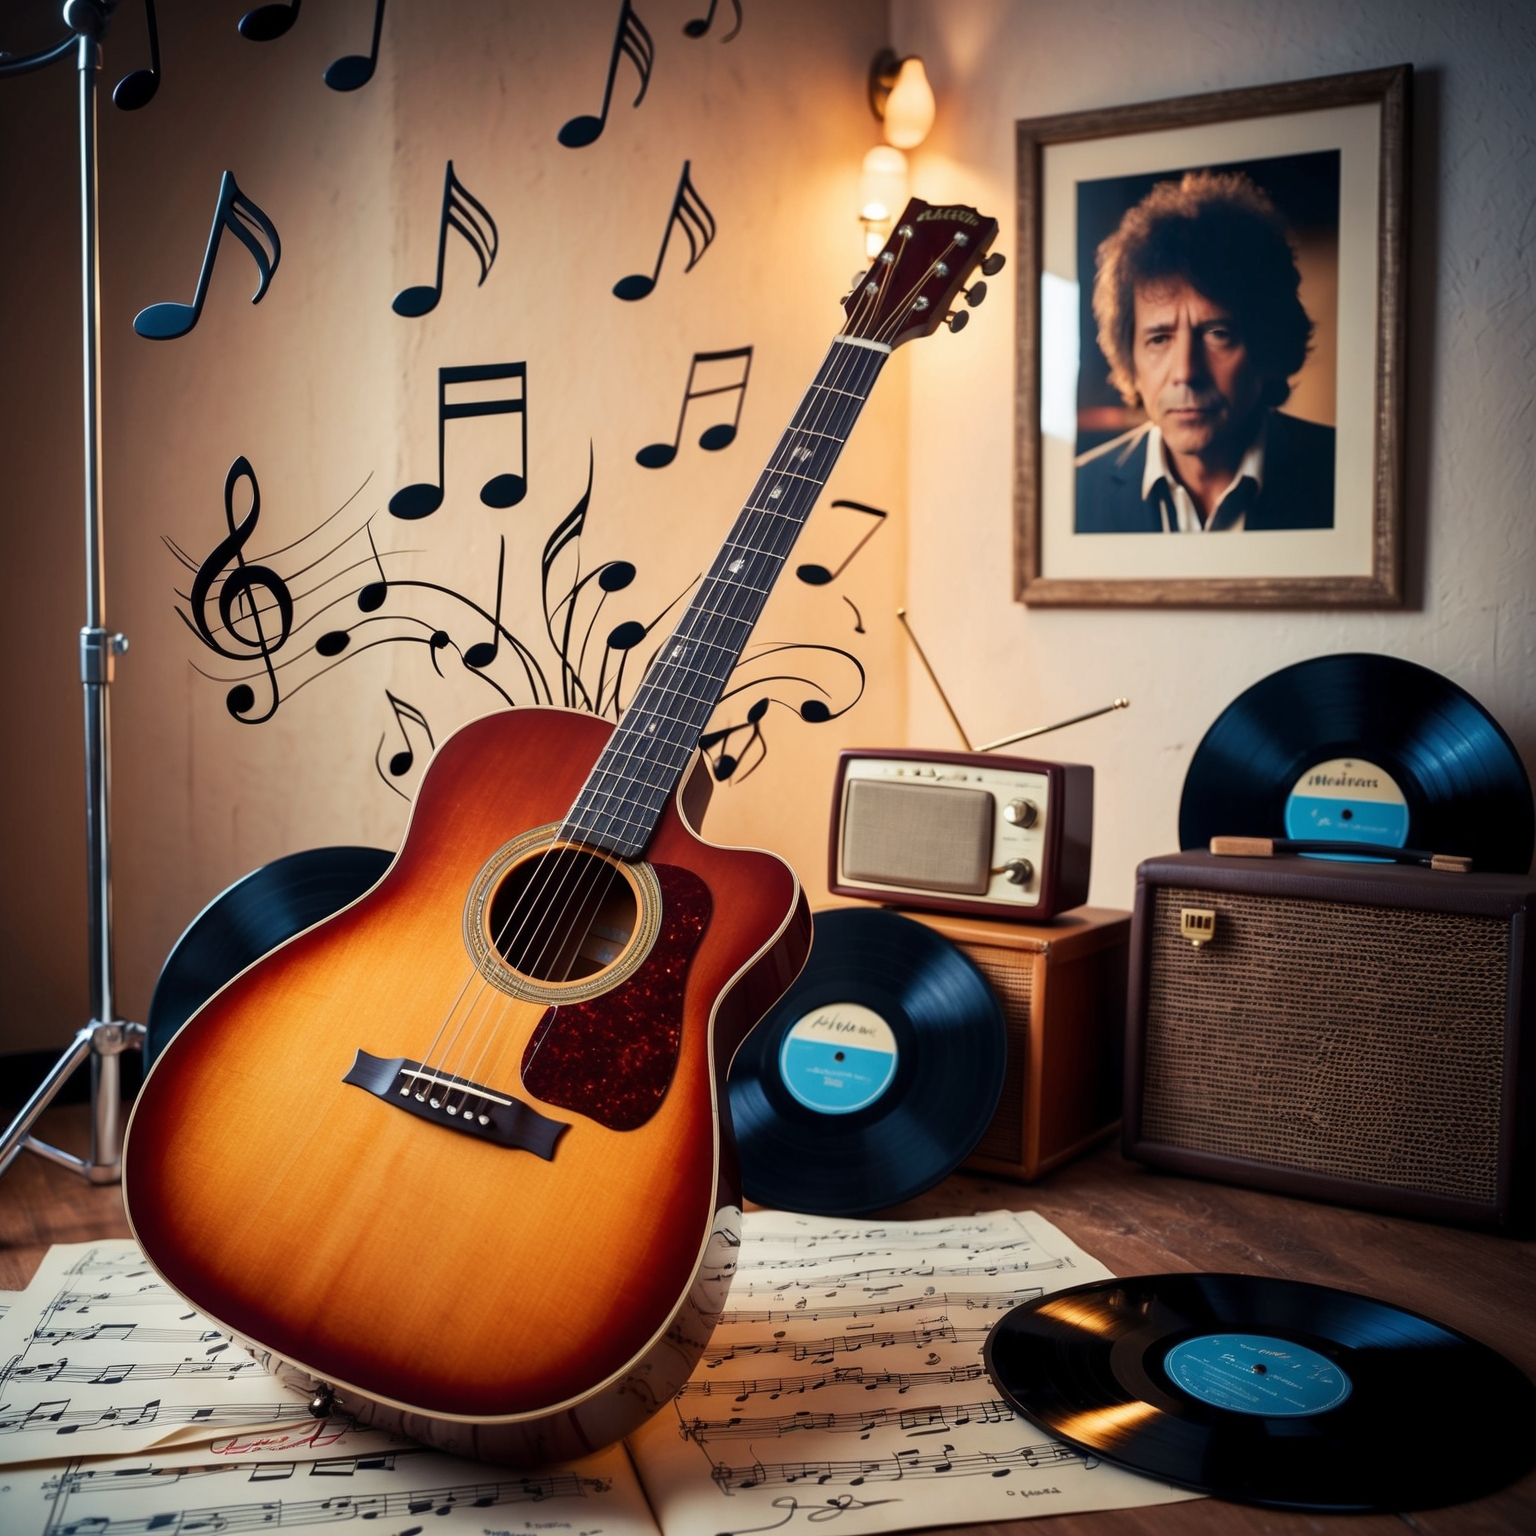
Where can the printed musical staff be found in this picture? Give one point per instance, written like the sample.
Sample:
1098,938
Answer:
464,212
872,1449
910,1421
631,41
722,434
267,23
504,490
689,213
773,1387
819,575
401,762
238,214
894,1468
354,70
700,25
250,598
137,89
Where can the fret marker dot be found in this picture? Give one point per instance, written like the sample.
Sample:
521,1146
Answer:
775,493
735,566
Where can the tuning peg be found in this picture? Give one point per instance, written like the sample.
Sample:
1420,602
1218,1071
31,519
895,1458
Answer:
975,294
957,321
994,264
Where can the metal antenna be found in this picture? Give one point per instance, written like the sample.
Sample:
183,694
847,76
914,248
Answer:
1002,741
106,1037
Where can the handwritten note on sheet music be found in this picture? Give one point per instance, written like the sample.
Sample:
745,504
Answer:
845,1383
358,1475
98,1357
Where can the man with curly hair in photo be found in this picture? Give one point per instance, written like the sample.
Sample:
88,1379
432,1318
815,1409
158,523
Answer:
1196,298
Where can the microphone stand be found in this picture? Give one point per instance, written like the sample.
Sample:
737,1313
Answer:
103,1040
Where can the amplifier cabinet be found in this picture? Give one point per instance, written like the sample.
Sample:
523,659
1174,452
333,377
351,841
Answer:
1344,1031
1062,987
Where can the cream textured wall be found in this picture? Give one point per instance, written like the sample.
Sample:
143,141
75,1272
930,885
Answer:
324,389
1472,345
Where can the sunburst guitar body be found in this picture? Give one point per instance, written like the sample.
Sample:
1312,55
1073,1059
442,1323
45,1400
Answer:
458,1159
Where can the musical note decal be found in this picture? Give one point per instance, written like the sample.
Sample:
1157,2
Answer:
401,762
249,598
138,88
858,618
470,217
354,70
819,575
267,23
237,213
722,434
692,215
700,25
504,490
631,41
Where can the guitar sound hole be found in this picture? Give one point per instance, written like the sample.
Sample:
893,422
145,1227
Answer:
562,915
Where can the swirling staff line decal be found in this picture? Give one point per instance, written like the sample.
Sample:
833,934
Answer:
243,611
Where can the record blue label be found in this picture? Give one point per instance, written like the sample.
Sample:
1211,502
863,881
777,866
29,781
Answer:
1254,1373
1347,800
838,1058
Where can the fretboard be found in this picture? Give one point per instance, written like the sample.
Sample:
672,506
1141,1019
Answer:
628,789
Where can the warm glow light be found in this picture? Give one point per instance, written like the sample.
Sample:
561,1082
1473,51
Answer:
883,185
909,108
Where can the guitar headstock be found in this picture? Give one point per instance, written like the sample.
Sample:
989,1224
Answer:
919,273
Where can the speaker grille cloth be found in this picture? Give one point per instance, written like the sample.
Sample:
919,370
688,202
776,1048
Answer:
929,836
1362,1042
1011,975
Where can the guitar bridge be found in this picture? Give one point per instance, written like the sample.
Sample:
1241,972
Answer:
457,1103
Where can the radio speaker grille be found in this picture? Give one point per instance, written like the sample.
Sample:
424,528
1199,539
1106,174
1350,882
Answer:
1011,975
1365,1043
933,837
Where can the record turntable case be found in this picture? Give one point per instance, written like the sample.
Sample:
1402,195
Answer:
1347,1031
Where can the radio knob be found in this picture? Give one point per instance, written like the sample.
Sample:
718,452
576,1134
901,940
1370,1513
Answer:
1019,871
1021,813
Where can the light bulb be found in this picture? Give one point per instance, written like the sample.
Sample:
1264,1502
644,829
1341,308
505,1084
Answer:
909,108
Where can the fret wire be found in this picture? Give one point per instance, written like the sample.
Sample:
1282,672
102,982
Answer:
650,741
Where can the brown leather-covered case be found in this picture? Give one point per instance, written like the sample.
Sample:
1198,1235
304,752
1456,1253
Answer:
1343,1031
1062,987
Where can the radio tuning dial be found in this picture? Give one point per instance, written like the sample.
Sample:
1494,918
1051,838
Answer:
1021,813
1019,871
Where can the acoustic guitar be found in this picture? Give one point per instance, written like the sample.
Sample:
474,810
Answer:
457,1160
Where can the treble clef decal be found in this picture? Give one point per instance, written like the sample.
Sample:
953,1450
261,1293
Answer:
250,599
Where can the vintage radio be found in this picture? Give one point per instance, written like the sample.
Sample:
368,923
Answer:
1357,1032
1062,987
962,832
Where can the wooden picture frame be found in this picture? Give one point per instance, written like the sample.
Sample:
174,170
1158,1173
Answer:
1077,174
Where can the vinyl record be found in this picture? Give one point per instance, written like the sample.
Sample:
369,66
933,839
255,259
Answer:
1362,748
875,1075
1268,1391
255,914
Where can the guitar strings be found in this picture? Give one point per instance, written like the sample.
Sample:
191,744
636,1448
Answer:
549,881
560,930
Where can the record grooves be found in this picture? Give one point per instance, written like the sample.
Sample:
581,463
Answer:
874,1076
1362,747
1268,1391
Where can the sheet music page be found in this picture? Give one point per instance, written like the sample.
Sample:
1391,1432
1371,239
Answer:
845,1384
349,1476
99,1357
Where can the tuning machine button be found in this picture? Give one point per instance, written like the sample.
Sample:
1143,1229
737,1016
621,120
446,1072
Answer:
975,294
994,264
1021,813
957,320
1019,871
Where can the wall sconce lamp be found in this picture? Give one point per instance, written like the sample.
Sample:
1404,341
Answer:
902,100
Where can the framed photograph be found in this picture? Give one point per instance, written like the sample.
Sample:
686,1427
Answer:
1210,342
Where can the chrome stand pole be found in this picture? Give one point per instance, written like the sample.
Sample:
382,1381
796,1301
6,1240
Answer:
106,1037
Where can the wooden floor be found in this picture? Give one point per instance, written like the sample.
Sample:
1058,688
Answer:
1136,1222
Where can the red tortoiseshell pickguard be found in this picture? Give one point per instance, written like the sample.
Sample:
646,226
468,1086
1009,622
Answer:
612,1058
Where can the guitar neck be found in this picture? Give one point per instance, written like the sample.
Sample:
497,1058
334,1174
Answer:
623,798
